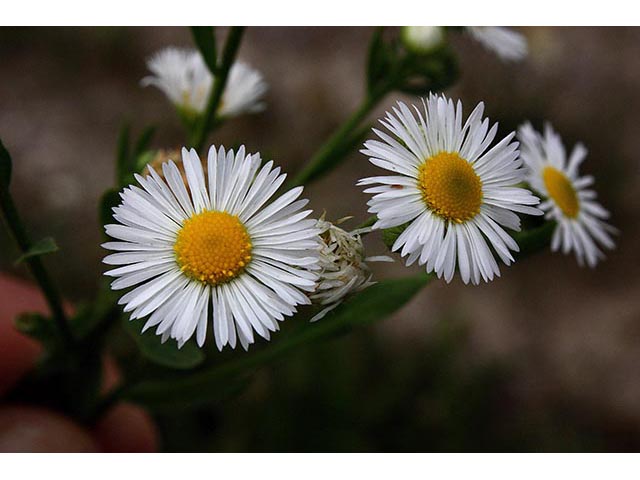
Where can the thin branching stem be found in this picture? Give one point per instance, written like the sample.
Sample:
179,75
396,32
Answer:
203,128
35,265
340,143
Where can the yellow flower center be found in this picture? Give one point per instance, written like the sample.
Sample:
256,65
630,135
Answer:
450,187
561,191
213,247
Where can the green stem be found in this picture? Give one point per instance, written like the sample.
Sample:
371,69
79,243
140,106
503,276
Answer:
368,222
219,82
338,145
112,397
36,266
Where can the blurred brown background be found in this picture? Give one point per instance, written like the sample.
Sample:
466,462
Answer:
569,336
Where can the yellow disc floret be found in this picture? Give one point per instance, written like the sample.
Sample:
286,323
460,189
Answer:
450,187
213,247
561,191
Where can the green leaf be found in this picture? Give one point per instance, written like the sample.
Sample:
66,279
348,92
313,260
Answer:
166,354
212,384
41,247
534,240
206,41
109,200
5,167
36,326
377,59
144,159
390,235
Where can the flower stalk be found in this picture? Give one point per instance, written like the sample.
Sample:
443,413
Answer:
340,143
36,267
220,80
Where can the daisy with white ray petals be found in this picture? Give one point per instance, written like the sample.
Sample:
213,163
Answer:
570,201
213,244
504,42
183,76
455,193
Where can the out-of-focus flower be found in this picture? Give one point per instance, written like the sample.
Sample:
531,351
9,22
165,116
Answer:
244,91
186,80
453,192
569,201
182,76
422,40
506,43
343,266
213,241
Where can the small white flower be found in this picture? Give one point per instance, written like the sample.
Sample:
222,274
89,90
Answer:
213,240
506,43
422,40
244,91
182,76
343,266
453,191
580,218
186,80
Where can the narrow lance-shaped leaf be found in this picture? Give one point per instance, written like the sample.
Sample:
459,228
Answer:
166,354
377,58
206,41
210,385
41,247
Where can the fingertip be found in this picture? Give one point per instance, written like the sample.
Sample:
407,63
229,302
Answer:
18,353
33,429
127,428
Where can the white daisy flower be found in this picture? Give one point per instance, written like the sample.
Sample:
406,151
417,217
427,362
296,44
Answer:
506,43
186,80
343,266
213,241
580,218
422,40
454,192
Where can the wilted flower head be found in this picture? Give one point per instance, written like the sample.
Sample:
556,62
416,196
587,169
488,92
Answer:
186,80
422,40
504,42
343,265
